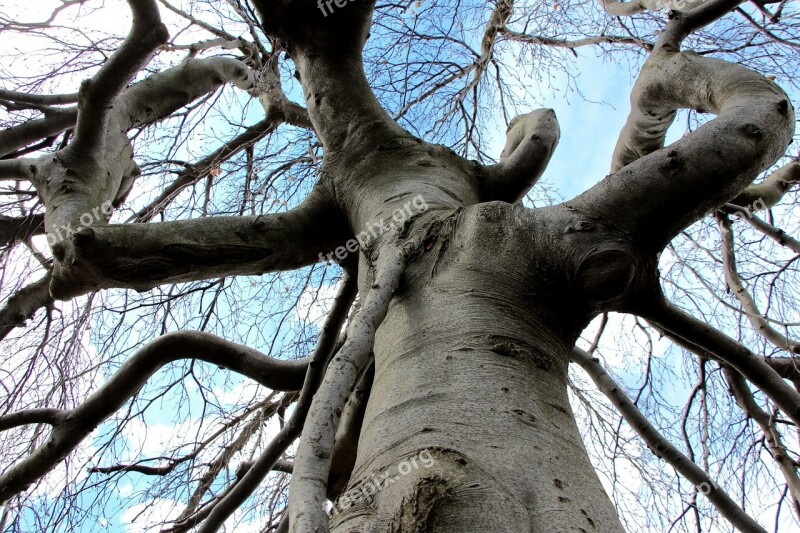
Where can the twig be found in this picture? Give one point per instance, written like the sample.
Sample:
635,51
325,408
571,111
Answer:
662,447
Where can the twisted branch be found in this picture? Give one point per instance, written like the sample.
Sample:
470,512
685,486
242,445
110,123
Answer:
308,489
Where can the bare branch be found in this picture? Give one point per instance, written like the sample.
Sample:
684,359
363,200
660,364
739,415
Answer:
208,27
683,23
530,142
24,304
766,422
77,423
754,314
161,94
198,171
786,367
661,447
627,9
247,484
223,458
308,489
50,417
777,234
14,229
497,21
274,100
38,99
97,95
764,30
84,188
576,43
769,192
17,137
685,326
172,464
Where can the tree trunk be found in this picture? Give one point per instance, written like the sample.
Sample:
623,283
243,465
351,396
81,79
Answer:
468,426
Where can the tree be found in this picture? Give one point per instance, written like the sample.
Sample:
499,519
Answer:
438,398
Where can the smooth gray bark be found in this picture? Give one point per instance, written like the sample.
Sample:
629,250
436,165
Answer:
472,331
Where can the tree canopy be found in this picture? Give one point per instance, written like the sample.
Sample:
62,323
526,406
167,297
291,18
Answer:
171,290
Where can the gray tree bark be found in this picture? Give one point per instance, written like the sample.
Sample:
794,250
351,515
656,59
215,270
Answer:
471,308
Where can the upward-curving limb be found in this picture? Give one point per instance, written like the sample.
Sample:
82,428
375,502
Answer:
655,192
530,142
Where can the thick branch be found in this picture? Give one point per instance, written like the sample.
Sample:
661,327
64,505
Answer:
161,94
683,23
142,256
20,136
38,99
630,8
274,100
769,192
74,188
24,304
77,423
661,446
660,192
685,326
308,488
246,485
79,192
50,417
97,95
786,367
16,169
13,229
530,142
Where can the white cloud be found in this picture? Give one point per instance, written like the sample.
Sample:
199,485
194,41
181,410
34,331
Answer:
315,303
148,517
